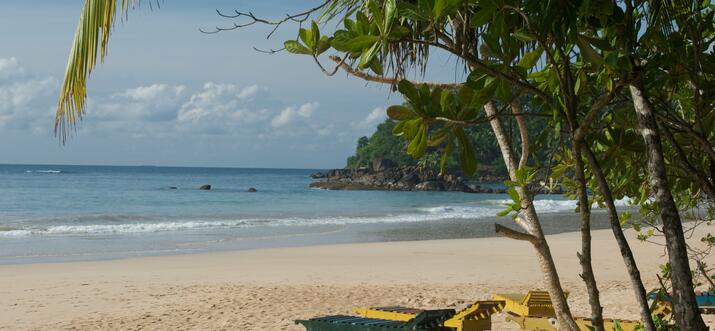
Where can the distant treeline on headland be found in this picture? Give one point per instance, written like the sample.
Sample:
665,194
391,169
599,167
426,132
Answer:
384,145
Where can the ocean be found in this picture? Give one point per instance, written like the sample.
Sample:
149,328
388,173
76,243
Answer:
51,213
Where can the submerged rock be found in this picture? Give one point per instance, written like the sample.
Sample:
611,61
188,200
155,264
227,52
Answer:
252,190
205,187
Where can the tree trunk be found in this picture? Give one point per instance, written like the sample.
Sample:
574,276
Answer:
685,308
530,223
628,258
584,257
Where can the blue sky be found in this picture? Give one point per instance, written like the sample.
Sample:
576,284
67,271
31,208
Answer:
170,95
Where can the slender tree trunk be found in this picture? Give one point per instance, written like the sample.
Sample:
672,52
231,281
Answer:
685,308
584,257
628,258
529,222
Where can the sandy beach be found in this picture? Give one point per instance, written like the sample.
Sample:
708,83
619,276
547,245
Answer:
267,289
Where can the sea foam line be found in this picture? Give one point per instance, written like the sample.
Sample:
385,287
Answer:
489,208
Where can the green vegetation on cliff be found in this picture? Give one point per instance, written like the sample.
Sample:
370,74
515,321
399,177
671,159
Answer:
383,144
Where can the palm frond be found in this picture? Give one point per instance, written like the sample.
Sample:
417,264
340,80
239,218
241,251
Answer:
90,42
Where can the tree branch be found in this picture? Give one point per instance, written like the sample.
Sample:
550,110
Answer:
596,107
514,234
387,80
478,63
253,19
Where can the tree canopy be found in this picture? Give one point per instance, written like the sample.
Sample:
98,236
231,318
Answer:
625,86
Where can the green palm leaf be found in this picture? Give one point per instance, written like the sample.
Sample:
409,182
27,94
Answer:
90,41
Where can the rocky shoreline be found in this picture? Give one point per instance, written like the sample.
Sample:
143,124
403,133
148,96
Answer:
384,176
387,177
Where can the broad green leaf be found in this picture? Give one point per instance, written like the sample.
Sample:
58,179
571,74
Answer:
504,92
418,145
438,9
349,24
390,13
522,36
504,212
399,129
514,196
411,127
295,47
347,43
307,37
400,113
398,32
530,59
361,42
482,16
369,55
376,66
408,91
445,157
438,137
588,53
314,33
323,45
467,159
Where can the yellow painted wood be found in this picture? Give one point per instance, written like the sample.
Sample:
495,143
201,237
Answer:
383,314
533,303
476,317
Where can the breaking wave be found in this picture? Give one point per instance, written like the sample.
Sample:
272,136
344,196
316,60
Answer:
46,171
484,209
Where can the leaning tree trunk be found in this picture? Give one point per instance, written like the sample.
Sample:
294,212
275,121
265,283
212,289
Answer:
529,222
628,258
584,257
685,308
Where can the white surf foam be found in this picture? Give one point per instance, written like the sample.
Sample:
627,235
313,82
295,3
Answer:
487,208
48,171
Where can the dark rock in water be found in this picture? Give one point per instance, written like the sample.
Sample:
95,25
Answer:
252,189
431,185
318,175
205,187
173,188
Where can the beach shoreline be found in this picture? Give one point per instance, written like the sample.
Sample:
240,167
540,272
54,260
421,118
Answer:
266,289
113,246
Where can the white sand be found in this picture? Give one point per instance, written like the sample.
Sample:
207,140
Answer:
267,289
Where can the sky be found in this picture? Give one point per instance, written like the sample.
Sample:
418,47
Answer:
169,95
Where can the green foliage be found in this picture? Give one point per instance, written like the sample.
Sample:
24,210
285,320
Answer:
382,144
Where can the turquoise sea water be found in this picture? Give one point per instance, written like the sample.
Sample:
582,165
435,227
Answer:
54,213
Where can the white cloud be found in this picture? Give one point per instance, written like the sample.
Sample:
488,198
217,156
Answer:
151,92
248,92
220,107
290,114
159,110
376,116
326,130
152,103
25,100
9,67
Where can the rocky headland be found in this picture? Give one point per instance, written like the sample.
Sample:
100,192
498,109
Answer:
384,175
